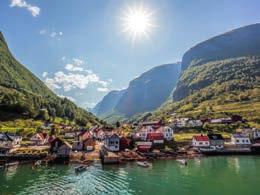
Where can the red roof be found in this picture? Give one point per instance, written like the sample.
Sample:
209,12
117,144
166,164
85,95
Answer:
201,138
155,136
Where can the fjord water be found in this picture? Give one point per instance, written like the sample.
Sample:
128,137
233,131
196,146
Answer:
208,175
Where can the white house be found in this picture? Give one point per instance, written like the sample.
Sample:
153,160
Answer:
252,133
239,139
200,141
167,132
195,123
143,132
112,143
256,133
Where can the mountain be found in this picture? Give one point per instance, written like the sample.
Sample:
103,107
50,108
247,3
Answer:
108,103
22,94
219,77
150,90
231,58
145,93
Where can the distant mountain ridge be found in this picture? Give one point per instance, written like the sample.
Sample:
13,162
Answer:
145,93
23,94
243,41
220,77
234,46
108,103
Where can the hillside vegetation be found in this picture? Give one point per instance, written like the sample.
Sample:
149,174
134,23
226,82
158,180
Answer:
220,77
145,93
23,95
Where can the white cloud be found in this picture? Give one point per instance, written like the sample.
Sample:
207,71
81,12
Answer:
52,34
72,67
78,62
71,81
34,10
51,83
77,77
44,74
68,97
102,89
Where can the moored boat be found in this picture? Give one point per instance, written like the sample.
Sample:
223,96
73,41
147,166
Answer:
182,161
80,169
144,164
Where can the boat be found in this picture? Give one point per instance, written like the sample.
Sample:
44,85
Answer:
182,161
80,169
38,163
208,149
143,164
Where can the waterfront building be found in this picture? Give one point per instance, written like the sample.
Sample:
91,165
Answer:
240,140
60,147
216,140
200,141
39,139
112,142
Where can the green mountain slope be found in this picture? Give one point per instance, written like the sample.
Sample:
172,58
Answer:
23,95
220,77
145,93
150,90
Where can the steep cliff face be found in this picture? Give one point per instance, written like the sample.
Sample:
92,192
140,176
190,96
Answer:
244,41
150,90
108,103
231,58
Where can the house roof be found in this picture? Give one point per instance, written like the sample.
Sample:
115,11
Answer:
113,136
155,136
215,136
201,138
239,135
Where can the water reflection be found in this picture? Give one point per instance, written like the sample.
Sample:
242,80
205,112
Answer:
234,163
164,177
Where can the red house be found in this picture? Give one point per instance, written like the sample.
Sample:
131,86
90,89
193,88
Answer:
157,138
124,143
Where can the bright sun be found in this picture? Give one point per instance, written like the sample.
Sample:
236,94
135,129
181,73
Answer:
137,22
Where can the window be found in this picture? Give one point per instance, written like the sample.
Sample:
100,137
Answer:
243,141
200,143
246,141
237,140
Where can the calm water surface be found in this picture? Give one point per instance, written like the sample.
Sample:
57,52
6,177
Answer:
213,175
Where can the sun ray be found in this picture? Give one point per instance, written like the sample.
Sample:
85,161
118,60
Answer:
137,21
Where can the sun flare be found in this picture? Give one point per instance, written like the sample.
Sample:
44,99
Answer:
137,22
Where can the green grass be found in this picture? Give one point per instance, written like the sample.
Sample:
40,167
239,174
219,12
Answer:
181,137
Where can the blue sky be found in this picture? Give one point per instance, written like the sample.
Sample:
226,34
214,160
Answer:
78,48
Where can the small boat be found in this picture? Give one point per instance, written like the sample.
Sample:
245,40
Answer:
144,164
182,161
208,150
80,169
38,163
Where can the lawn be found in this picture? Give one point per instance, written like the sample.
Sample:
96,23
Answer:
181,137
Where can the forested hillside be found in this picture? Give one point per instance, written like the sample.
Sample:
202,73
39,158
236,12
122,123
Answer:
220,77
23,95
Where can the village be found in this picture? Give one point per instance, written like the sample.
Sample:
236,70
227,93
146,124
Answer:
111,145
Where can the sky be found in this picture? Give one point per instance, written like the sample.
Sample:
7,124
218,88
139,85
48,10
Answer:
81,49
